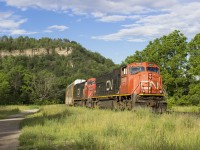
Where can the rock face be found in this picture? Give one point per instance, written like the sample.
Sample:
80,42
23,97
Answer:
34,52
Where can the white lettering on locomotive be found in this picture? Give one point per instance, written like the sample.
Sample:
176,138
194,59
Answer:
109,85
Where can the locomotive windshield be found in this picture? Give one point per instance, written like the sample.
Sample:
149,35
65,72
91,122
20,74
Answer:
153,69
134,70
91,82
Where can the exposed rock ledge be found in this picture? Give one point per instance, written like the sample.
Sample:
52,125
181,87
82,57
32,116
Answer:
34,52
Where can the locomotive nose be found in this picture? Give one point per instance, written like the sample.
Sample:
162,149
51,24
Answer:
151,84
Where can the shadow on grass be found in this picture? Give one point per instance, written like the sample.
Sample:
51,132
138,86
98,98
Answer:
32,140
40,119
5,113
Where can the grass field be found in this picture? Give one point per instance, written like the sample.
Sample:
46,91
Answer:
186,108
61,127
6,111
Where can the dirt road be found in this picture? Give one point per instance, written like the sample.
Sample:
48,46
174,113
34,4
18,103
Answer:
9,130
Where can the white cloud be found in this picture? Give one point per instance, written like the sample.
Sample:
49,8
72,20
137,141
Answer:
150,18
89,6
20,32
112,18
184,17
136,40
56,27
10,24
60,28
98,14
116,18
48,31
4,15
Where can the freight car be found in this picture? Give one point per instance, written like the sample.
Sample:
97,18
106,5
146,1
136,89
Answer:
132,85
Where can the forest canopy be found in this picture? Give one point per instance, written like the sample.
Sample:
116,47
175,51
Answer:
42,79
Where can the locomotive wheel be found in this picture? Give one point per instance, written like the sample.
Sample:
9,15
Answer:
96,104
160,107
152,103
128,105
89,103
83,103
121,105
115,105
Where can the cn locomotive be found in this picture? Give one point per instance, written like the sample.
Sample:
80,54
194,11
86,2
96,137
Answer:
132,85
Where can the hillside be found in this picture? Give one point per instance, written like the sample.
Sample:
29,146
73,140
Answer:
38,72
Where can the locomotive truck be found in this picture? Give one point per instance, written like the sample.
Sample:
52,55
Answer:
130,86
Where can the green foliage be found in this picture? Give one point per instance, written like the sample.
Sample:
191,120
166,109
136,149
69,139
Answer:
6,111
170,52
194,93
194,70
43,79
4,88
22,43
190,109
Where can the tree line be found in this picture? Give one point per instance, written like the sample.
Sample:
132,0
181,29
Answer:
43,79
23,43
179,62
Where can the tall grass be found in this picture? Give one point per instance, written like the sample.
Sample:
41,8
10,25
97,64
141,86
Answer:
5,111
61,127
8,110
186,108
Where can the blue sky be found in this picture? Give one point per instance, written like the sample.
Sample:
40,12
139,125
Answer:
114,28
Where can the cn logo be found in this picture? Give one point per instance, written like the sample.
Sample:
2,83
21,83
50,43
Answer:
109,85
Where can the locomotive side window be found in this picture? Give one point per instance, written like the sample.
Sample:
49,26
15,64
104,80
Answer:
134,70
124,70
153,69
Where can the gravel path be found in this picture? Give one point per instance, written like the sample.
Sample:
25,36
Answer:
9,130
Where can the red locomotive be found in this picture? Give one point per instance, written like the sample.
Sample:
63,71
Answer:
136,84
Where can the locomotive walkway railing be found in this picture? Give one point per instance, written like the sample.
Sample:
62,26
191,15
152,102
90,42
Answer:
139,84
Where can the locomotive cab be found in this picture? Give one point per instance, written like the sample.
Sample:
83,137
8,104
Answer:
141,78
144,83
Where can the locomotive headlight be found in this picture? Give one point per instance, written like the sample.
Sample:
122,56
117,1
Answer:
161,91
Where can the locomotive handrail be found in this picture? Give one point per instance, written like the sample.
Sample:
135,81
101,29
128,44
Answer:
133,96
137,85
136,88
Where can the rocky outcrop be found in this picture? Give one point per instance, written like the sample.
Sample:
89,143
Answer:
34,52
